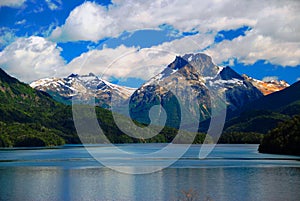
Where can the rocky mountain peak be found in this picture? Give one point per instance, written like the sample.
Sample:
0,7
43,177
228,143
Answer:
199,58
190,66
267,87
92,75
73,75
203,64
196,71
228,73
86,86
199,62
178,63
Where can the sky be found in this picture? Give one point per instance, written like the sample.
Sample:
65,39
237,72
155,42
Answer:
128,42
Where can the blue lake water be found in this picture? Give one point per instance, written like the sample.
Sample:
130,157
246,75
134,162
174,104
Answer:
230,172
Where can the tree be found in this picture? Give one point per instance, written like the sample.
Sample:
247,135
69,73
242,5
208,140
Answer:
284,139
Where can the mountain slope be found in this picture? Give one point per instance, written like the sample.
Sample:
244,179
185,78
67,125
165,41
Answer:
267,87
31,117
239,91
284,139
85,86
276,100
191,78
265,113
30,114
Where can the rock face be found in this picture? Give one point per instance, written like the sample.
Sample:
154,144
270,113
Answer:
267,87
180,82
85,86
191,79
238,90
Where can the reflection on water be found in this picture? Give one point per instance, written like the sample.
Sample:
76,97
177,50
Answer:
36,183
230,173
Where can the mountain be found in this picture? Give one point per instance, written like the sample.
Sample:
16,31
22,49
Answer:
193,78
264,114
86,86
267,87
277,100
239,91
30,117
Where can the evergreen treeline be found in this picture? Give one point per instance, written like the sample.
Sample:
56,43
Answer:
284,139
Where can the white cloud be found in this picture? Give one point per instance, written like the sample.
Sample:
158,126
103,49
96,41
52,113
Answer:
274,36
298,79
269,78
86,22
124,62
21,22
275,24
32,58
254,46
231,62
91,21
12,3
195,43
54,4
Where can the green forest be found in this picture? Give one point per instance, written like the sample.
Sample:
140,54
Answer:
284,139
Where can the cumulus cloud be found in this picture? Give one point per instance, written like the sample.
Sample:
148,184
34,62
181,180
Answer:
269,78
32,58
274,37
122,62
35,57
189,44
12,3
254,46
91,21
125,62
88,21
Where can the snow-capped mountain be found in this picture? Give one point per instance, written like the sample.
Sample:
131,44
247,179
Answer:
192,78
85,86
267,87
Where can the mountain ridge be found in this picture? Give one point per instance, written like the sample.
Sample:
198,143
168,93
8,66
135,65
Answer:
36,112
265,113
30,117
198,67
86,86
267,87
191,77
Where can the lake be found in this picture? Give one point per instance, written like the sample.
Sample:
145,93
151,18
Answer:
230,172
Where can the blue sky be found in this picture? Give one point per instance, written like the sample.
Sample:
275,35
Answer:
127,43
